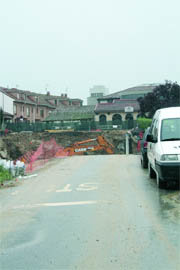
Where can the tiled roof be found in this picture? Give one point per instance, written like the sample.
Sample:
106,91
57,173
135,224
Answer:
116,106
43,100
71,113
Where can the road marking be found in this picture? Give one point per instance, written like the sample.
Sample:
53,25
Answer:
68,203
14,193
65,189
81,187
87,187
54,204
28,176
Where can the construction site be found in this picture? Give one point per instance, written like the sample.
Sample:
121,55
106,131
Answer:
35,149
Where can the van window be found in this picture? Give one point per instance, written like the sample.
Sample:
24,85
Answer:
170,129
155,130
152,126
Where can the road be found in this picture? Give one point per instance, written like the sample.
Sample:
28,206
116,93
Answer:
89,213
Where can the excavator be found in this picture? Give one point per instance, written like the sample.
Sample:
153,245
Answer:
87,147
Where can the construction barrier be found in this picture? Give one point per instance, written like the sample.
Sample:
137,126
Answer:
47,150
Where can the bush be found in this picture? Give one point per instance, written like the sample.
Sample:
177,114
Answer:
144,122
4,174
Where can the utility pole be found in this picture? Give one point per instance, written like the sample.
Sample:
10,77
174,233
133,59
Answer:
3,112
127,144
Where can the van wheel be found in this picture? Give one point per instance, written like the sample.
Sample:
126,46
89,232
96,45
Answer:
144,163
151,172
160,183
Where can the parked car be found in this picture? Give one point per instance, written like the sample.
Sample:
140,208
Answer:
164,146
143,149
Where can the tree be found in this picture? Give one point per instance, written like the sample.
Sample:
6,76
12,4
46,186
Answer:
163,96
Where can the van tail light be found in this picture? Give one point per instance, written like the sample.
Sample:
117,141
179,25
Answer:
145,144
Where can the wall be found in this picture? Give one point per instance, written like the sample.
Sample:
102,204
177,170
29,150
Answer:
6,103
35,114
110,115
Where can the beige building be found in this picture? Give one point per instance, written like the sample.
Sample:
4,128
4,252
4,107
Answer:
115,111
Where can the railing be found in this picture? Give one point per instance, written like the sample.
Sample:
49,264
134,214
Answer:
76,126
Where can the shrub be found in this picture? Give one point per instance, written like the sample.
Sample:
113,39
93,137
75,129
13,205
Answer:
144,122
4,174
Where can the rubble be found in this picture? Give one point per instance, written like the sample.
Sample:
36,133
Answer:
16,145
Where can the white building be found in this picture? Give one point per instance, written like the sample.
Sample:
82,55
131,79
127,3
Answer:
6,104
97,91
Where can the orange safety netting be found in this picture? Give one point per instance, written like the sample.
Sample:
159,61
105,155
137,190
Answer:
46,151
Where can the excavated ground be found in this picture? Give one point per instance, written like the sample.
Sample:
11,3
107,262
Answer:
16,145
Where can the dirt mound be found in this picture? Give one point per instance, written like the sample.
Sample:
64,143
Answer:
16,145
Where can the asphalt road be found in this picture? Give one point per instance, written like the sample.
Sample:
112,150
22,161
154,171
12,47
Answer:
89,212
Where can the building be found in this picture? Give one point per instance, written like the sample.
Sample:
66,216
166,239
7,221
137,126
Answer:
96,92
121,106
32,107
115,111
133,92
6,104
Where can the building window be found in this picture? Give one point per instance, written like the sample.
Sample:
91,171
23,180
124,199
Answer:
42,113
37,111
36,99
129,116
23,96
102,119
55,102
32,110
28,111
129,119
116,119
15,109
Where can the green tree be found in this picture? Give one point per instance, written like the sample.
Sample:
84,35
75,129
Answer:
163,96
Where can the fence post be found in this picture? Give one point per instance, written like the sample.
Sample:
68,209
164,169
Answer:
127,144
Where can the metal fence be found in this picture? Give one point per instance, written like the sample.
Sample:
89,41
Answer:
76,126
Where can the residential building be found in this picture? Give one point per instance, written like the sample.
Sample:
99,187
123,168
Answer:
96,92
6,104
32,107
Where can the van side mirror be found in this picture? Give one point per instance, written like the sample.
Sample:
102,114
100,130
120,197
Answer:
150,138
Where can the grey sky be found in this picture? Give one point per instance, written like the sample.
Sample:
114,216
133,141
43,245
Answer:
79,43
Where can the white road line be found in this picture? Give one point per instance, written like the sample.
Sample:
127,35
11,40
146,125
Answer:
54,204
65,189
15,193
87,187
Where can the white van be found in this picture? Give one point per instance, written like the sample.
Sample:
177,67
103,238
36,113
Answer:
164,146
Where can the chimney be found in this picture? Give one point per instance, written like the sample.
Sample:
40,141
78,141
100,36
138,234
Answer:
64,95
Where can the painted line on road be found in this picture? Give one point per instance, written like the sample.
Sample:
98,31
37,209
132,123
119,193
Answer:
65,189
54,204
81,187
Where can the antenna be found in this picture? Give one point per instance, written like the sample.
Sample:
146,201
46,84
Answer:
46,87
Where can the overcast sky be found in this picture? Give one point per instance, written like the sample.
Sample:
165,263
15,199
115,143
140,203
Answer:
75,44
